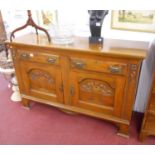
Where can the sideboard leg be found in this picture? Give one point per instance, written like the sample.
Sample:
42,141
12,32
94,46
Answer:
25,103
123,130
142,136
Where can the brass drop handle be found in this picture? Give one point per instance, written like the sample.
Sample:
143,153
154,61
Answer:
115,69
51,60
79,64
24,56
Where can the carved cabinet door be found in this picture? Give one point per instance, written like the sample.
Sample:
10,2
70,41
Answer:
40,80
97,92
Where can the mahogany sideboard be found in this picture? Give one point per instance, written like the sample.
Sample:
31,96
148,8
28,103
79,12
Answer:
81,77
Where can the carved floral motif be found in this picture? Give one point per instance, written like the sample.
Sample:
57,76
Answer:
97,86
36,74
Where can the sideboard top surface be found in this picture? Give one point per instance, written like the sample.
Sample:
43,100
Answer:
111,47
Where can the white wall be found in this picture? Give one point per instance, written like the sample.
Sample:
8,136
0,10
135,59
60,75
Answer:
79,20
16,18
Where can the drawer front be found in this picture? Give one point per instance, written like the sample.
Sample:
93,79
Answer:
38,57
108,66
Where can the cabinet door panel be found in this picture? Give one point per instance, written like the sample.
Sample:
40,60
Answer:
97,92
41,80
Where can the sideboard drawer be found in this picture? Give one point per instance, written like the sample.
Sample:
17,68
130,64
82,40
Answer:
38,57
107,66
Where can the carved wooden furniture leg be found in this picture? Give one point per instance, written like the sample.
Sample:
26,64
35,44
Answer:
123,130
142,136
25,103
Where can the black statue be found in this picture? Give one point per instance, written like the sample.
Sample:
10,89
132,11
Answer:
95,22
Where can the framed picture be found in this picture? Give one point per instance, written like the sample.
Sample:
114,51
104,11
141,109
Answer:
134,20
46,18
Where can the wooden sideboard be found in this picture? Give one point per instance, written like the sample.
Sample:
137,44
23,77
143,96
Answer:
148,125
82,78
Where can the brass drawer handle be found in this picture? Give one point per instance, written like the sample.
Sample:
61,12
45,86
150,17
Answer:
115,69
24,56
79,64
51,60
